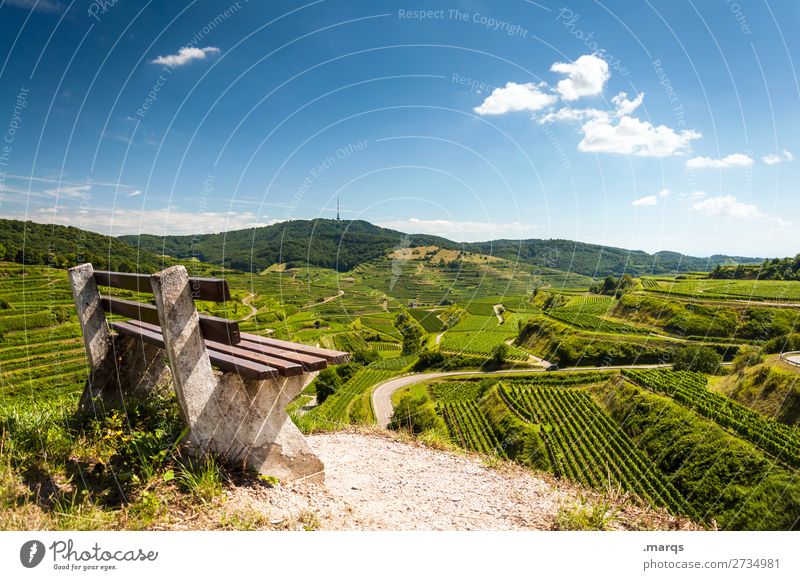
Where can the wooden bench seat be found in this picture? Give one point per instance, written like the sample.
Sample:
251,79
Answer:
238,414
250,355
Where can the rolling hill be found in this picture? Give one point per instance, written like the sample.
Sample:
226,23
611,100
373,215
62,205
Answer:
343,245
62,247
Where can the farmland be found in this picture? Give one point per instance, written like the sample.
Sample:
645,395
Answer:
690,389
566,423
585,445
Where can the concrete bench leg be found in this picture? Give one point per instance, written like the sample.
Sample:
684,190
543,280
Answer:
244,421
119,366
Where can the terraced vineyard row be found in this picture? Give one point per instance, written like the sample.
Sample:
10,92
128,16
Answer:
451,391
586,312
558,379
335,408
585,444
690,389
469,427
480,344
427,318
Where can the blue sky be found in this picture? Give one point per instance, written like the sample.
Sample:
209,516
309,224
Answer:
472,120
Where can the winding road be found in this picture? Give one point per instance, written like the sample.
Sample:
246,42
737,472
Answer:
382,392
328,299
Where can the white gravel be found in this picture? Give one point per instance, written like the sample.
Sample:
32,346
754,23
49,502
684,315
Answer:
376,482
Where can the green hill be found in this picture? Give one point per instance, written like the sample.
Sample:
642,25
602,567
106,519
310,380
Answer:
338,245
344,245
61,247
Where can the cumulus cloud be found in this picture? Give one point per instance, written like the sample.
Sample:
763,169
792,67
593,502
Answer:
663,193
733,160
185,55
775,158
645,201
624,106
585,77
170,221
631,136
728,206
567,114
515,97
465,231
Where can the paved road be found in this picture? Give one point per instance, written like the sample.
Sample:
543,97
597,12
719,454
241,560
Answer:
382,392
328,299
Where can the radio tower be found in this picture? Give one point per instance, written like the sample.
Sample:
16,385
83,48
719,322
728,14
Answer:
337,210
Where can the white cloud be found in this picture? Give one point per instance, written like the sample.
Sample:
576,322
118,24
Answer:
515,97
631,136
728,206
587,77
70,191
645,201
461,231
663,193
134,193
697,194
624,106
733,160
165,221
40,6
184,56
567,114
774,158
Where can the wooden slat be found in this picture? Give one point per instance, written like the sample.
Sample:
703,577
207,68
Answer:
212,327
284,367
332,356
246,368
308,362
211,289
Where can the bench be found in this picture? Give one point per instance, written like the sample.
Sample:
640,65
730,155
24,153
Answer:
237,412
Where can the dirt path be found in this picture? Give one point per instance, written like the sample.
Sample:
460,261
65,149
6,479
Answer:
253,310
382,392
377,482
328,299
439,337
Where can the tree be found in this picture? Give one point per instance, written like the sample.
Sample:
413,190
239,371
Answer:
415,414
327,383
2,252
747,357
366,356
700,359
499,355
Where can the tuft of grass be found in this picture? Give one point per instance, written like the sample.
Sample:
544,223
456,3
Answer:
586,515
309,520
201,478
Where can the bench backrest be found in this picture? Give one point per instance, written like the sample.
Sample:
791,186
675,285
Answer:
210,289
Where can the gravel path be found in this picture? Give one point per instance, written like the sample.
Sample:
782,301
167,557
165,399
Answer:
377,482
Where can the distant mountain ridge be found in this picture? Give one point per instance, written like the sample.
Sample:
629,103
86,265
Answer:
342,245
65,246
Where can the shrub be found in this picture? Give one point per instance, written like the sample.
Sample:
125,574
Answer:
415,414
700,359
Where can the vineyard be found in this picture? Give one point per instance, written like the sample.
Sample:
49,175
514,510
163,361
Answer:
469,428
334,412
587,314
585,445
480,344
41,353
427,318
690,390
451,391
